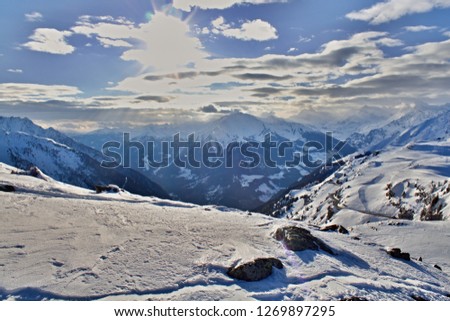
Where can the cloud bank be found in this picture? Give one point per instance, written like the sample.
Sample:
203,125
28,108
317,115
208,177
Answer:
257,30
383,12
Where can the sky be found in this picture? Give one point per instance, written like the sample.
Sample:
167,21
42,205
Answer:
80,65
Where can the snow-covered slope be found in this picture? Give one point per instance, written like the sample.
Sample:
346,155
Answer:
24,144
409,182
63,242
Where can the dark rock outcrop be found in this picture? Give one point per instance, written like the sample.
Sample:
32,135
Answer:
33,172
398,254
256,270
298,239
7,188
437,267
334,228
353,298
108,189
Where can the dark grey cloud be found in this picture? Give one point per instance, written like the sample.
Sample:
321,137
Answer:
179,75
184,75
335,58
158,99
212,73
388,85
266,91
237,104
261,77
154,78
211,109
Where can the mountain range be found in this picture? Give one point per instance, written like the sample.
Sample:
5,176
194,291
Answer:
24,144
77,160
233,186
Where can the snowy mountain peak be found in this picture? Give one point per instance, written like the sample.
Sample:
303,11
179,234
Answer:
15,124
236,126
420,124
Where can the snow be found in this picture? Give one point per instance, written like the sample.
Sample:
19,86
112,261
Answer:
187,174
413,174
278,176
417,125
267,191
246,180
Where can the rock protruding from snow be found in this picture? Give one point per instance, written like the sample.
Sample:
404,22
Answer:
256,270
398,254
108,189
334,228
7,188
295,238
353,298
33,172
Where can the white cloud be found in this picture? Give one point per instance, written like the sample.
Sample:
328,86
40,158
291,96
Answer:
220,24
182,76
107,42
291,50
36,93
302,39
419,28
351,72
91,19
235,83
394,9
389,42
51,41
258,30
34,16
104,27
15,71
447,34
166,44
187,5
269,48
163,43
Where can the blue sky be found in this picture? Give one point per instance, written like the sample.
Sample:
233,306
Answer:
81,65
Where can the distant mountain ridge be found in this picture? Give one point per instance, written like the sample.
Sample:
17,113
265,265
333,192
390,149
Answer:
236,187
24,144
420,124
